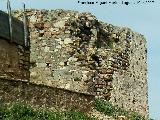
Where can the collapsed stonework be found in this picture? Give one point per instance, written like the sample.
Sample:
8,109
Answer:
75,51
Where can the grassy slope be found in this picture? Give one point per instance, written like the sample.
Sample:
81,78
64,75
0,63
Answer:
23,112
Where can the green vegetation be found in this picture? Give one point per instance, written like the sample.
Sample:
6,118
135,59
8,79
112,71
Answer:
109,44
18,111
23,112
108,109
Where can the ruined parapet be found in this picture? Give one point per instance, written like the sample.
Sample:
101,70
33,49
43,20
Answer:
75,51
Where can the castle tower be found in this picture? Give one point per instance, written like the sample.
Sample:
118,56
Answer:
75,51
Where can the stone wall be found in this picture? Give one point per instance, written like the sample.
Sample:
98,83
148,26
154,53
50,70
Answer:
15,82
130,86
41,96
75,51
14,61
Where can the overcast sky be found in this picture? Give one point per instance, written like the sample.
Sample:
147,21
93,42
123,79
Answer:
143,18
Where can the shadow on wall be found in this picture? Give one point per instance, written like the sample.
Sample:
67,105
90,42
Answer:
14,54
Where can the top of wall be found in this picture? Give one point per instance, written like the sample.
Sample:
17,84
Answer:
17,30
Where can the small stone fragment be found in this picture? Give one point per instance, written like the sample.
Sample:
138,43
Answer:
59,24
67,41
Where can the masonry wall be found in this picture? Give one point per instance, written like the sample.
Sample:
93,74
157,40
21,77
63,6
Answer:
75,51
14,56
41,96
130,85
15,82
14,61
16,87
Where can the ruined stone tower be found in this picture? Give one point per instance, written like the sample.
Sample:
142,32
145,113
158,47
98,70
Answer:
75,51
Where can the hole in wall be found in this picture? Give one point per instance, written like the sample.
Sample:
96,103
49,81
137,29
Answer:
47,64
9,66
41,34
96,58
65,63
133,101
116,40
137,62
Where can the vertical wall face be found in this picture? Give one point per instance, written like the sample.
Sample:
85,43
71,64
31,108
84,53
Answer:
55,58
14,57
130,85
77,52
14,61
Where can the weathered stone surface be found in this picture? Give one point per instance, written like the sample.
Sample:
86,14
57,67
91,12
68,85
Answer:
14,62
67,43
44,97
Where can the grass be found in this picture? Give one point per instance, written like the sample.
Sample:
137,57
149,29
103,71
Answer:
20,111
108,109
